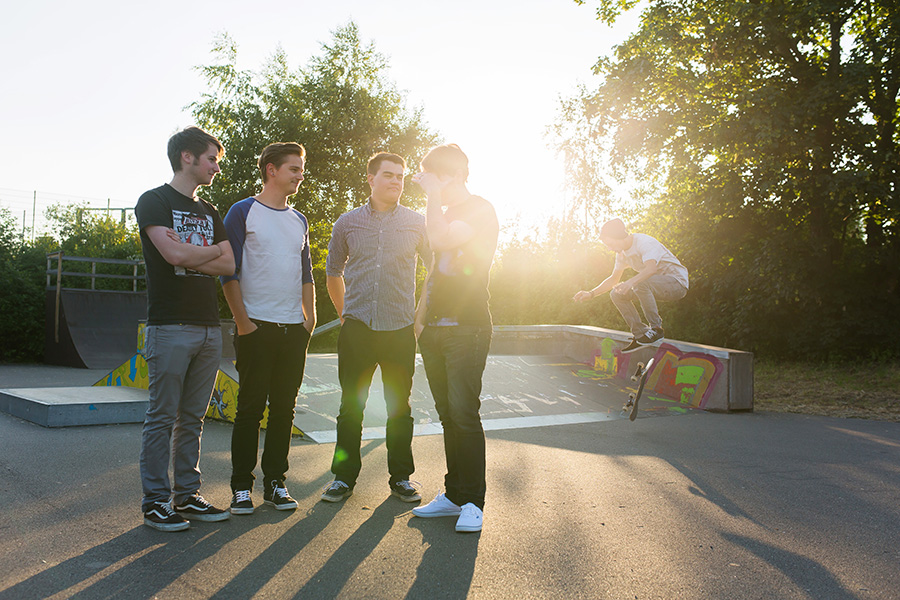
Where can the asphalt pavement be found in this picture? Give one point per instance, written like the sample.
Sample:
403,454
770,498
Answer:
695,505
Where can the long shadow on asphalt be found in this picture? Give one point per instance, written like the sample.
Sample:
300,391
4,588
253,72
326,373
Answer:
143,550
448,564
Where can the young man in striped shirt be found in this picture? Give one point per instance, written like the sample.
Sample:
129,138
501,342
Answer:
371,277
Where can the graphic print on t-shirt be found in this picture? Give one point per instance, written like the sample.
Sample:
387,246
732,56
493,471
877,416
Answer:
192,229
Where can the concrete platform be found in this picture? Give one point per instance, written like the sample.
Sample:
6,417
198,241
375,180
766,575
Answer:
75,406
519,391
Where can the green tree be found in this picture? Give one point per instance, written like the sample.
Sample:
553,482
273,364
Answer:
342,107
21,295
768,133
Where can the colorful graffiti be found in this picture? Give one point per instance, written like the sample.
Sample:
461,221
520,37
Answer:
222,405
607,362
132,373
688,377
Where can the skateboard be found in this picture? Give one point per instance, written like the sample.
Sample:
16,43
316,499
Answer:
641,374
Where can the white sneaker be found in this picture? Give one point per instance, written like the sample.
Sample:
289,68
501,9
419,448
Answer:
439,507
470,518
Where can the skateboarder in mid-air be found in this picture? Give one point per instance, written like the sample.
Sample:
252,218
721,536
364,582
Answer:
660,277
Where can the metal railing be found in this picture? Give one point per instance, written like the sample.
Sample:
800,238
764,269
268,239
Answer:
93,275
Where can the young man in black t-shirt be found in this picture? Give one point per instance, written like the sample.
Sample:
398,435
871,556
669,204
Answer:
185,246
454,325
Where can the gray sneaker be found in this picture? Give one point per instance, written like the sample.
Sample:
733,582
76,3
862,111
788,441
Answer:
336,491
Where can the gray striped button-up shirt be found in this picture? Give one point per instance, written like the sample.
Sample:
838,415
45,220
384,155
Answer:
375,252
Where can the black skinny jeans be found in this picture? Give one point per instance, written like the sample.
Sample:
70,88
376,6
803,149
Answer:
360,350
454,359
270,362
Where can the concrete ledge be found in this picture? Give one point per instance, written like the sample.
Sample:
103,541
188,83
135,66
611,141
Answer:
73,406
707,377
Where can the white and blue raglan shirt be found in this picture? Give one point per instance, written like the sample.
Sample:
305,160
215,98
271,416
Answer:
272,259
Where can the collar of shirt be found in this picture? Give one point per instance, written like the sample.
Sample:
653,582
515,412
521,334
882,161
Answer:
370,210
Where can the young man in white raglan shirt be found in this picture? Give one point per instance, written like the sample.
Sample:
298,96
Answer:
660,277
272,298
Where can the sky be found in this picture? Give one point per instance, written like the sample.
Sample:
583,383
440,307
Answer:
93,89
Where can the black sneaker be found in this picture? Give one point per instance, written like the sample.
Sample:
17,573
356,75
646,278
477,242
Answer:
162,517
195,507
406,490
652,336
241,504
277,495
631,347
336,491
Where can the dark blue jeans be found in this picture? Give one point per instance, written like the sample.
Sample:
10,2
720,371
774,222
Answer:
360,350
454,359
270,361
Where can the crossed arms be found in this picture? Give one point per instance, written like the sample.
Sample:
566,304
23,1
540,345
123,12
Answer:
217,259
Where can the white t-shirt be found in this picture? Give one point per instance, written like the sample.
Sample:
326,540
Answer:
272,259
644,248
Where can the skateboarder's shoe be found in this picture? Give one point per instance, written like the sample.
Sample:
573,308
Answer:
634,345
652,336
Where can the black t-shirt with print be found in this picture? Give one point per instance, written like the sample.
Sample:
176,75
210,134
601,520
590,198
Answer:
458,284
175,294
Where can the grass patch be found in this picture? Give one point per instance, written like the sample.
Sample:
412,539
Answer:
854,390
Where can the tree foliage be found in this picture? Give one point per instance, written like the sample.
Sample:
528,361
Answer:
767,133
342,107
21,295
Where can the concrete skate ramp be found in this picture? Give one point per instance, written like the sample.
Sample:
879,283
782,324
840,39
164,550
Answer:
97,328
518,391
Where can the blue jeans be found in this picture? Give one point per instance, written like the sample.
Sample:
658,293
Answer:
270,361
664,288
183,361
360,350
454,359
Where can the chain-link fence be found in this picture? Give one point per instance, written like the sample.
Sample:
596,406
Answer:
29,208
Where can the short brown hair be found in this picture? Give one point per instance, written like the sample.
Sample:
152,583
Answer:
277,153
193,140
614,229
375,161
448,159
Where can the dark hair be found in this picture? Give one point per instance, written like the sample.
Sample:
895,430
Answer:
193,140
277,153
374,163
448,159
614,229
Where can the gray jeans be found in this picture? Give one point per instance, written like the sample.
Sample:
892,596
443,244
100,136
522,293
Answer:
663,288
183,361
